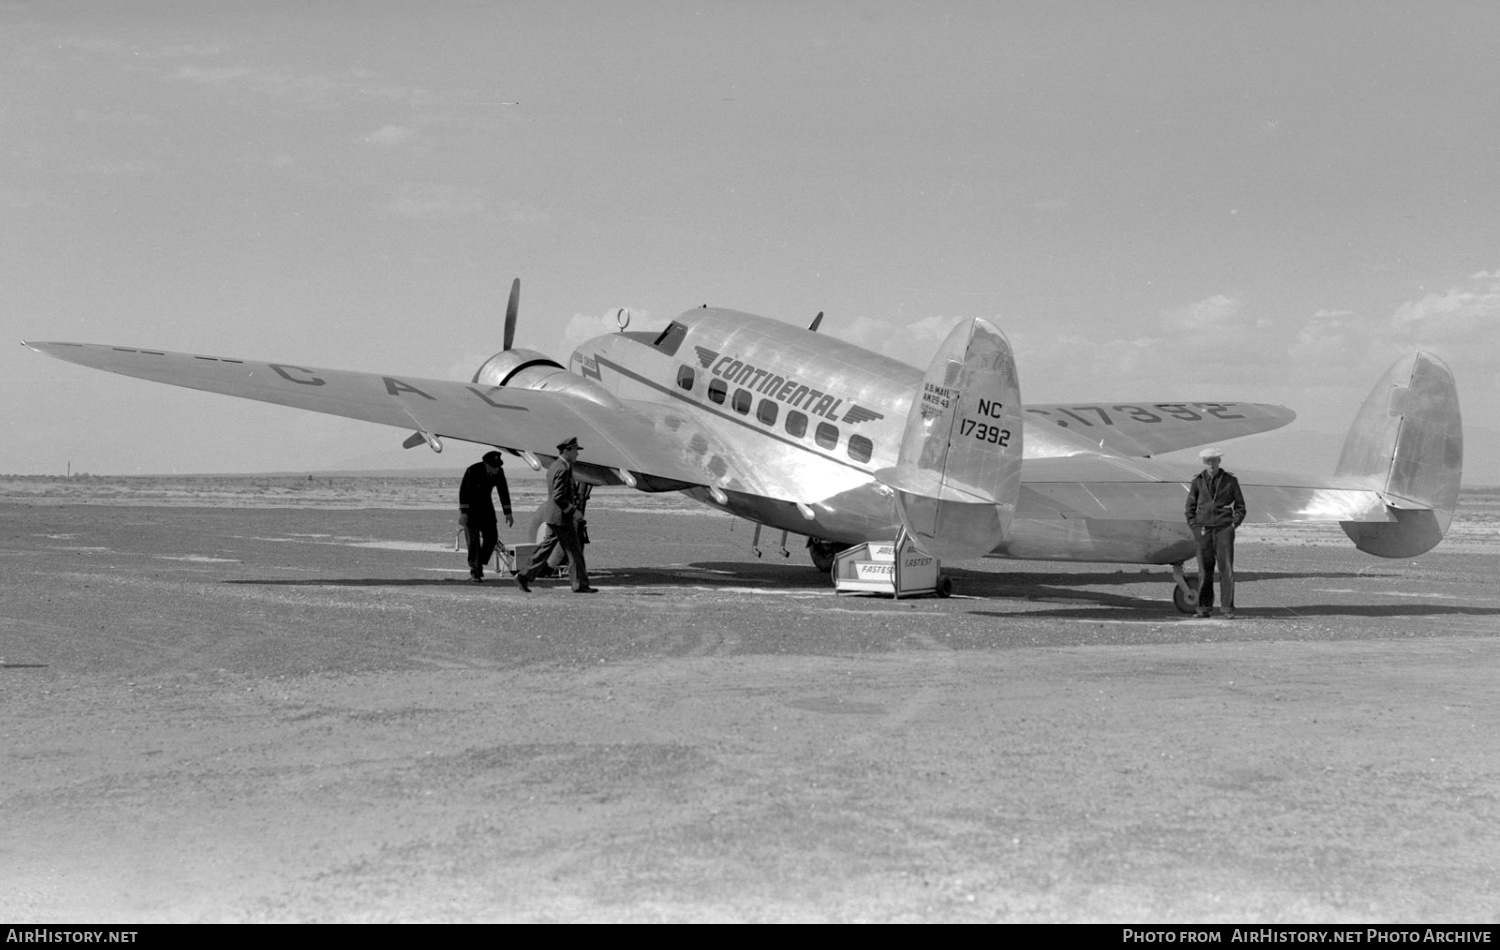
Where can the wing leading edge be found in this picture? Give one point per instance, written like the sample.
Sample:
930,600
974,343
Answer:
626,437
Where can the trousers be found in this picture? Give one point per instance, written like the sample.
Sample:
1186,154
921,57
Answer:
482,537
567,536
1215,550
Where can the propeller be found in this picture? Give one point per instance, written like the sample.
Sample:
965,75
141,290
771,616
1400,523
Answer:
508,338
510,313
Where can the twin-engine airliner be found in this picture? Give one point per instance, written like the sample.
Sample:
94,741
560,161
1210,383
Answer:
792,429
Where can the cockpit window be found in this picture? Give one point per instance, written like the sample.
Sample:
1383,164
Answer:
670,339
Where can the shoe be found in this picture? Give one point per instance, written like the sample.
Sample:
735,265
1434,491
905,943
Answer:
587,590
521,583
477,578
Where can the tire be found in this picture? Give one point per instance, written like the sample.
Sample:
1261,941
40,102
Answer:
822,553
945,586
1185,603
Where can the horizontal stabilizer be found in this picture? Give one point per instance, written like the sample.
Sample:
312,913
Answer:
929,484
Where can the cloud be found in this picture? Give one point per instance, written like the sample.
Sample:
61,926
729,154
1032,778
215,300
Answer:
18,198
585,326
1329,337
422,201
114,117
912,342
190,50
465,366
1216,314
391,135
100,168
93,44
310,89
1460,325
1218,347
219,75
1459,315
317,91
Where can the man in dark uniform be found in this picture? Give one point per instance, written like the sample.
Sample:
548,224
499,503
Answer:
561,517
476,512
1215,507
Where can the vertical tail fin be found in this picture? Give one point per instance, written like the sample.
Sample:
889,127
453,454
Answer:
958,472
1407,443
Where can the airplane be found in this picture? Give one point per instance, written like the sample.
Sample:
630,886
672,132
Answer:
795,430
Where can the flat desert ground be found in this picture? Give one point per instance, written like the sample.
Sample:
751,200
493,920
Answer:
279,699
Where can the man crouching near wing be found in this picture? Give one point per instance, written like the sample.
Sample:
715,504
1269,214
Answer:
1215,507
476,510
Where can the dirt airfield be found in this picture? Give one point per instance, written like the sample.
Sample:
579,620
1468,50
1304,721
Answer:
242,700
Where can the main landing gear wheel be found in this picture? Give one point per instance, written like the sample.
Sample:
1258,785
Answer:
945,586
1184,590
822,553
1186,602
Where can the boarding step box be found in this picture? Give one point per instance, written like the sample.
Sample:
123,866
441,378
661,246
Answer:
513,559
517,558
886,567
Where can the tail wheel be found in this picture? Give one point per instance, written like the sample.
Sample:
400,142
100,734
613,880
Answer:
1186,601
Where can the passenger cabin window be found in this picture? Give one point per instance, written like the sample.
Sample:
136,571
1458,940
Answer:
671,338
827,435
766,412
860,448
742,401
717,391
796,424
686,377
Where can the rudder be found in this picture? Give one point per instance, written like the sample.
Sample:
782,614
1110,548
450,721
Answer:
1407,443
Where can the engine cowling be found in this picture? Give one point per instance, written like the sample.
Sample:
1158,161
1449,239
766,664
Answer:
503,368
527,369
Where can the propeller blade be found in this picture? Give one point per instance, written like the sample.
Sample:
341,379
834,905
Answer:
510,313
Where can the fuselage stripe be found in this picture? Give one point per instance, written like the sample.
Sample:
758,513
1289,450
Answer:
718,413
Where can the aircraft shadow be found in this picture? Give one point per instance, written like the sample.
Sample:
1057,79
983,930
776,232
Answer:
371,582
800,576
716,574
1160,575
1066,591
1162,611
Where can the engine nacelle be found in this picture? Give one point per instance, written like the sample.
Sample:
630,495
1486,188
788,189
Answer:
503,368
527,369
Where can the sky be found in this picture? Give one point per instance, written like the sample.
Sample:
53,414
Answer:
1251,201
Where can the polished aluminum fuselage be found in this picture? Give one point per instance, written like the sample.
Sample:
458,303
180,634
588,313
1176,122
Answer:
855,404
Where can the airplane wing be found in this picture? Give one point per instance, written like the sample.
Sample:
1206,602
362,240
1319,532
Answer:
1141,429
1103,486
629,437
